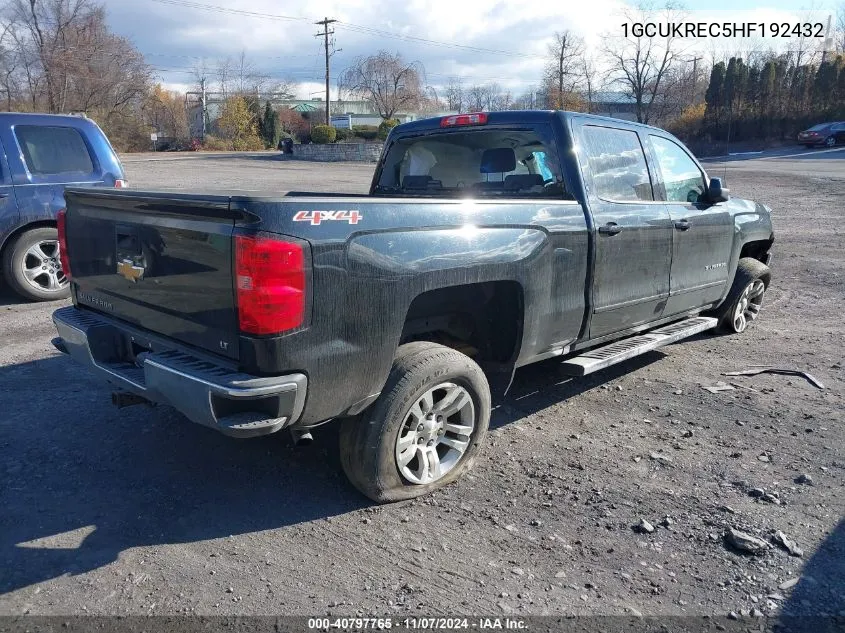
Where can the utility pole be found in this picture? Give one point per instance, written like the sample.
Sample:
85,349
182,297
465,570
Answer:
695,61
202,107
325,35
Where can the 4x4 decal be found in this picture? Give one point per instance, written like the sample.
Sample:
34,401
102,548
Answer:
316,217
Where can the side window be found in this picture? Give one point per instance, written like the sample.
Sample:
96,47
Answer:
50,150
618,164
682,178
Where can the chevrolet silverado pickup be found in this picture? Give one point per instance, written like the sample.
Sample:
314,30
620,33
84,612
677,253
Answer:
488,241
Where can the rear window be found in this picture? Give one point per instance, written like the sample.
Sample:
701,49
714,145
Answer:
819,127
54,150
492,162
618,165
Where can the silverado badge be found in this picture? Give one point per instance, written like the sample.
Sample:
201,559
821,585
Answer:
128,269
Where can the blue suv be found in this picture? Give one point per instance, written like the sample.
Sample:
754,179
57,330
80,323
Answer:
40,155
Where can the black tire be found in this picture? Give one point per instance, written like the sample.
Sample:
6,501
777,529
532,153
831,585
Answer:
748,272
368,442
15,260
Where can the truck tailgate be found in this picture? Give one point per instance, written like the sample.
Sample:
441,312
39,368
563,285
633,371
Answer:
161,261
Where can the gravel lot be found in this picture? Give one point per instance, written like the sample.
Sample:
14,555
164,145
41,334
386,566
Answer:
140,512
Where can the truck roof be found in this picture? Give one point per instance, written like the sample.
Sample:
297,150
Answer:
519,116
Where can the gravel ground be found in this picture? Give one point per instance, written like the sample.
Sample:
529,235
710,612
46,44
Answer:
140,512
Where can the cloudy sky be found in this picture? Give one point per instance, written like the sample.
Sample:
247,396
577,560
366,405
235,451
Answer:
481,41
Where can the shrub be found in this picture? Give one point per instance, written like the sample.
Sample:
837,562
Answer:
344,134
385,127
251,143
214,144
688,125
323,134
367,132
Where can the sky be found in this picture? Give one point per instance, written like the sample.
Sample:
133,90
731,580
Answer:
479,41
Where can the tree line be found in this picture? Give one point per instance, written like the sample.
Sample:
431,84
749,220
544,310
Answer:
772,96
60,56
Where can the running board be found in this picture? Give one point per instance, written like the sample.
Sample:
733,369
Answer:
616,352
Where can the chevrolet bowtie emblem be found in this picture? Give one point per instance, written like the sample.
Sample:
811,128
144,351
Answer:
127,268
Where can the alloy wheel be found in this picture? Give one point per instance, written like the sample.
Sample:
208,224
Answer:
435,434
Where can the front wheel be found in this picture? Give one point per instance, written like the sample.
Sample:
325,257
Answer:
830,141
32,267
745,299
424,431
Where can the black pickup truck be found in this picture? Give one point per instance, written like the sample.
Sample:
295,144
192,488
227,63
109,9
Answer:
488,241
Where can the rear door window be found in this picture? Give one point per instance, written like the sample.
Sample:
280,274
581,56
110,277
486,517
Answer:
618,165
50,150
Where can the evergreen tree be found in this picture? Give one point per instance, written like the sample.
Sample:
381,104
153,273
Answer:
270,131
714,100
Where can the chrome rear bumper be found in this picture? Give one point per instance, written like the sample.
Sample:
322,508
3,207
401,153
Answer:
210,394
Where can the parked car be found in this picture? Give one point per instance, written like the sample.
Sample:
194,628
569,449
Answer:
487,242
827,134
40,155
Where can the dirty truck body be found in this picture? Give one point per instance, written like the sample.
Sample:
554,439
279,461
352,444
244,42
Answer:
488,242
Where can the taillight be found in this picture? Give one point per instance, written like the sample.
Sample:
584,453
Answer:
120,184
270,283
61,224
477,118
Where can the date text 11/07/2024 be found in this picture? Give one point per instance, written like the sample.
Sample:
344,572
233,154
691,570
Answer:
723,29
418,624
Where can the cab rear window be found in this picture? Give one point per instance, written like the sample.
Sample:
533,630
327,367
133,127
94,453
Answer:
51,150
489,162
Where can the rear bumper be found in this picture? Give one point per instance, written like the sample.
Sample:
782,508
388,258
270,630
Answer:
235,403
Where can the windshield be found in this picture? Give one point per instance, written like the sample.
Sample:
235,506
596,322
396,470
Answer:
472,163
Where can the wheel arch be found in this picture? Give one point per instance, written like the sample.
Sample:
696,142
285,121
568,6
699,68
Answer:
20,230
757,249
484,320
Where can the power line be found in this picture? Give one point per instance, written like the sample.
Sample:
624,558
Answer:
213,7
358,28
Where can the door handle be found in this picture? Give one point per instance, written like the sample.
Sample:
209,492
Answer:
3,195
683,225
611,228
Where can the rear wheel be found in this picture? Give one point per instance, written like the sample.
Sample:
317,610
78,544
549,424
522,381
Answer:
424,431
745,299
32,267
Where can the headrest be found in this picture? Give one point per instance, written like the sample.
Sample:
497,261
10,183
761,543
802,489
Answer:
498,161
416,182
515,182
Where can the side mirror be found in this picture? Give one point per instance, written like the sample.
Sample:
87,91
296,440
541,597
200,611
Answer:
717,193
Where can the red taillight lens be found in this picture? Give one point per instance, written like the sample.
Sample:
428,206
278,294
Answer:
61,224
120,184
270,283
477,118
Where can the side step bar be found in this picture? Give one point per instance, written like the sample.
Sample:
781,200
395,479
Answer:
616,352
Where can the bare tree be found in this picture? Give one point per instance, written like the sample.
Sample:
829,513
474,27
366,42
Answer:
564,69
642,65
455,95
386,81
478,98
839,40
588,68
52,25
501,101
